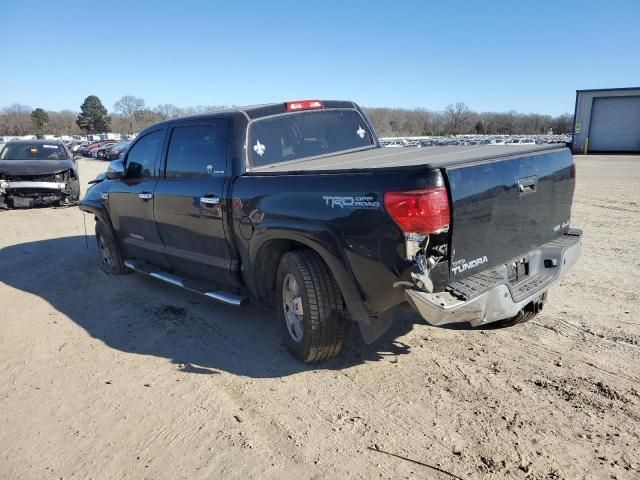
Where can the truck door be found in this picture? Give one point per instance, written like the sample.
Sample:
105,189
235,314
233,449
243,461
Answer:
131,201
190,204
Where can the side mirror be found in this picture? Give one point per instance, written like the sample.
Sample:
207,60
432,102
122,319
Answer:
115,170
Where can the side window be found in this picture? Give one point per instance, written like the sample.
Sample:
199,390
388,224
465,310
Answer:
142,156
197,151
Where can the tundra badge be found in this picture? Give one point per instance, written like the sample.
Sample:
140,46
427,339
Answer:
460,266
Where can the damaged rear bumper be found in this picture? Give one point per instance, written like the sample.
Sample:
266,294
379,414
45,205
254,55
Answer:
490,296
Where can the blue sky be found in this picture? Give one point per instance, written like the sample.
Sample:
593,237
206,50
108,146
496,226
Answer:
494,56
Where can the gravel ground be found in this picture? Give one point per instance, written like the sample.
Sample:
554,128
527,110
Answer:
124,377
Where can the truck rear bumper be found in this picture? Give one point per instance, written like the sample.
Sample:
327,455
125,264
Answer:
490,296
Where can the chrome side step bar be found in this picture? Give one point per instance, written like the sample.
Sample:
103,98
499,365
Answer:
219,295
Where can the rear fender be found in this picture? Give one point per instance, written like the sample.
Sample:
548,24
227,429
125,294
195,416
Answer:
324,243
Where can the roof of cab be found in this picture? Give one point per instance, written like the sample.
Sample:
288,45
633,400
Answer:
254,111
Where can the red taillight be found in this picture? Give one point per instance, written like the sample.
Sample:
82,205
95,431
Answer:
303,105
419,211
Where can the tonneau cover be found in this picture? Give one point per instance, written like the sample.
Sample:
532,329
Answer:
429,157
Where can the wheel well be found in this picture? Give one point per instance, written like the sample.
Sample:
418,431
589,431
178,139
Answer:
267,261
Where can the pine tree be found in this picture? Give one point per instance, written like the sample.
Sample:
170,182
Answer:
93,117
40,120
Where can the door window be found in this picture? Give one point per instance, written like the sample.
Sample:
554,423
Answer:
142,156
197,151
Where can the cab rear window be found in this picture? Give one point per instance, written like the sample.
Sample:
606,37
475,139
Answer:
299,135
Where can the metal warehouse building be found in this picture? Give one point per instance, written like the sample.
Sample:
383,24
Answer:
607,120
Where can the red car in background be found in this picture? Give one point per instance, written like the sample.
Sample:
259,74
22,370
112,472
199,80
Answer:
86,151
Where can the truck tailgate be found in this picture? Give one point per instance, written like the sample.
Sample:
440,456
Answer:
503,208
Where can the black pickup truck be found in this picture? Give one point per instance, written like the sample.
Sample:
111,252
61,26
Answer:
296,206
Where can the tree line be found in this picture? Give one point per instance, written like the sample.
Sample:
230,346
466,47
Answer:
130,114
458,119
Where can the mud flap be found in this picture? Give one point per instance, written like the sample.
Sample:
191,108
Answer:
373,327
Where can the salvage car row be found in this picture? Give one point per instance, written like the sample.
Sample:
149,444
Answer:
101,150
465,140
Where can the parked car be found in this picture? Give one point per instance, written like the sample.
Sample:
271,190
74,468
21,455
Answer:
36,173
78,145
117,150
82,150
297,206
103,151
86,151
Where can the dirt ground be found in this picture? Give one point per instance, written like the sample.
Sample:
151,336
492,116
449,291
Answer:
125,377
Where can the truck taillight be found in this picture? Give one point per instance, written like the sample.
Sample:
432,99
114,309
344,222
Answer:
419,211
303,105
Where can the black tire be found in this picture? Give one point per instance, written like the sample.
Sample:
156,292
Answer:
75,189
322,322
110,256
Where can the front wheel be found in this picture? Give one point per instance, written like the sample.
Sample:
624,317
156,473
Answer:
310,307
110,255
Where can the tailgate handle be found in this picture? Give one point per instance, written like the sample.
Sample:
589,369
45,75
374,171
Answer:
527,185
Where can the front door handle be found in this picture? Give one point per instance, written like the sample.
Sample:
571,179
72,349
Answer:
145,195
209,201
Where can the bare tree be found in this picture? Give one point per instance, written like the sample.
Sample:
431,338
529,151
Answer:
146,117
457,117
63,123
15,120
129,107
167,111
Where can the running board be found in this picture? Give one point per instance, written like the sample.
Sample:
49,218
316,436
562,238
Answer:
196,286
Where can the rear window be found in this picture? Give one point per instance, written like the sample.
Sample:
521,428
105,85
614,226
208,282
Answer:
197,151
294,136
33,151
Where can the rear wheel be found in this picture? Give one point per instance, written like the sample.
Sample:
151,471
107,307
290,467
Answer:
310,307
528,313
110,255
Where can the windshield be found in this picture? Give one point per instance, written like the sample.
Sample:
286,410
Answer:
33,151
293,136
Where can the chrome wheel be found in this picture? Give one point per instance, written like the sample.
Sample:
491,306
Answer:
292,307
105,253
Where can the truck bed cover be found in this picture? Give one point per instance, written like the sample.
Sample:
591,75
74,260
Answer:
429,157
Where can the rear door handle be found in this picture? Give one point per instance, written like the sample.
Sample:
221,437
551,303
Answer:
209,201
145,195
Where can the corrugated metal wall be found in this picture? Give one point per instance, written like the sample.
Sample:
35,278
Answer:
607,120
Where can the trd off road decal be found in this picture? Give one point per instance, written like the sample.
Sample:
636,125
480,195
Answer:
351,202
